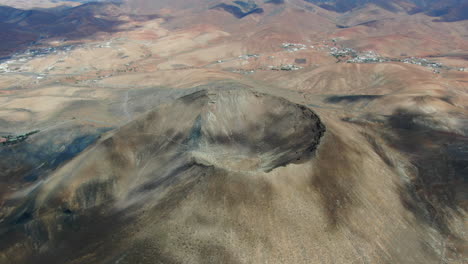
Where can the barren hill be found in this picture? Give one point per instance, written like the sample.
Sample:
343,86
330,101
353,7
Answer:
233,132
222,175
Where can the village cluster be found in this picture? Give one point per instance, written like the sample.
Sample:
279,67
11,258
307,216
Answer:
15,62
352,56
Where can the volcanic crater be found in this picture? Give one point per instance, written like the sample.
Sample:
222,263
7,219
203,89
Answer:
242,130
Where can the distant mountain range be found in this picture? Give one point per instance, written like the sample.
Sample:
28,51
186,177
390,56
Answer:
448,10
20,27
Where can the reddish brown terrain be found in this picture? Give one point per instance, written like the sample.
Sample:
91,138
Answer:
233,131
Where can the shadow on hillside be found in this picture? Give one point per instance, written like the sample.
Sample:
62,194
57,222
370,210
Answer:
21,29
350,98
436,190
236,11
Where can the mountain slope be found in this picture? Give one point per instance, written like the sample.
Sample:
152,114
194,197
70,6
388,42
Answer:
68,23
225,175
449,10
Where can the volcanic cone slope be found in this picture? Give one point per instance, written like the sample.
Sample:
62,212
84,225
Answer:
214,130
225,175
237,130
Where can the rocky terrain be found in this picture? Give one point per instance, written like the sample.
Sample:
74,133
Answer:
233,132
